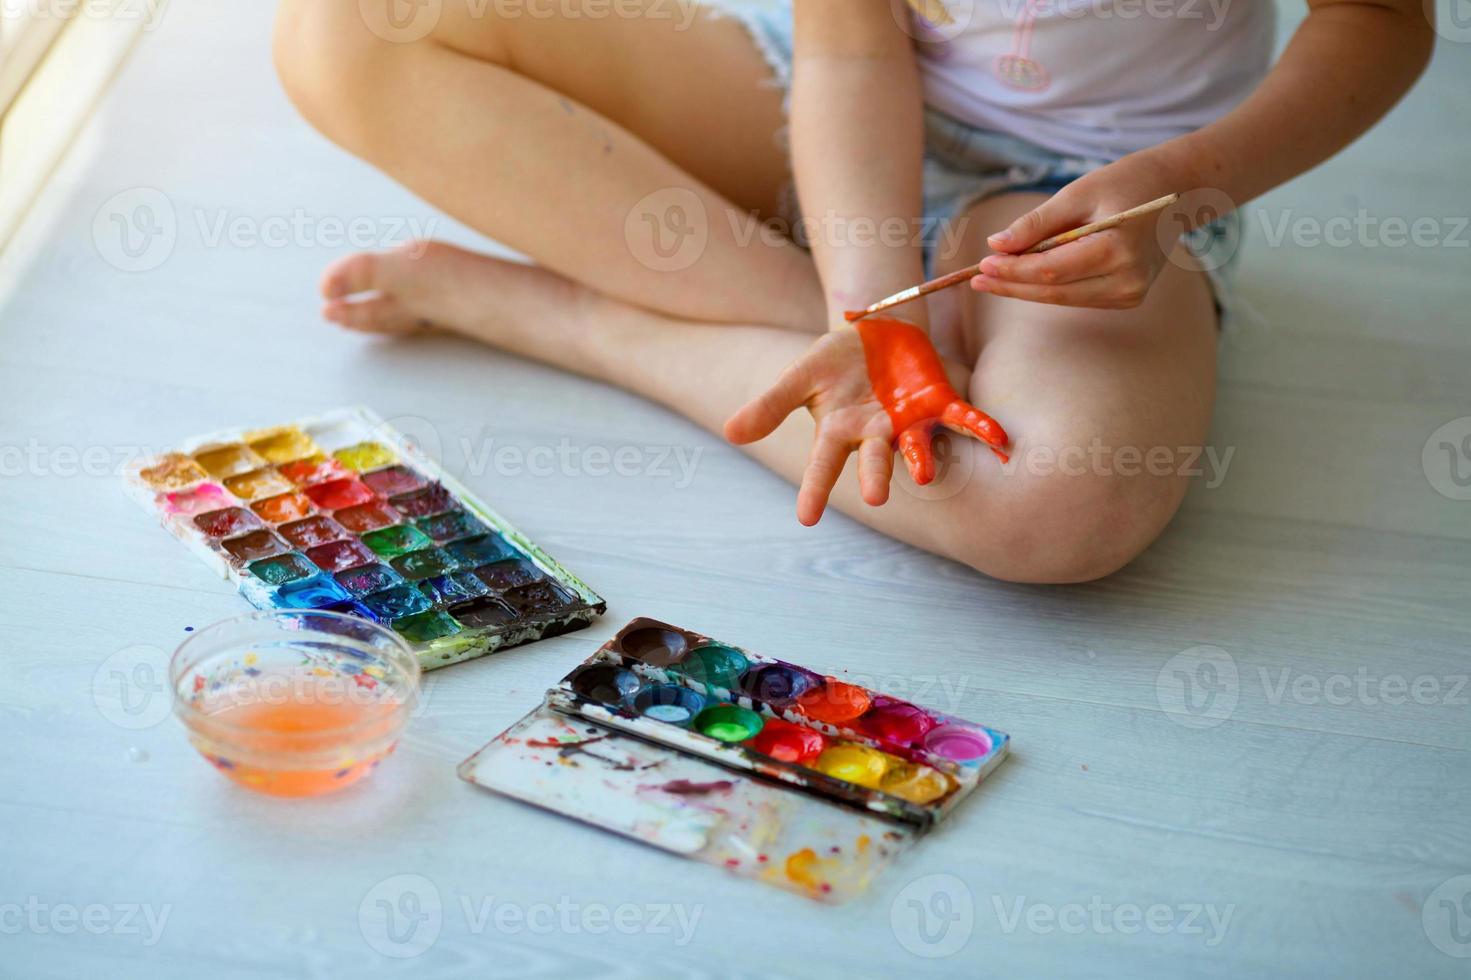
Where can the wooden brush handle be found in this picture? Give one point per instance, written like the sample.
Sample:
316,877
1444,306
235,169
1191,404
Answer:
1045,245
1113,221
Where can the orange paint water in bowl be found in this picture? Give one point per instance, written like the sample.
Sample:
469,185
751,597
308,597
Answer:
304,731
294,703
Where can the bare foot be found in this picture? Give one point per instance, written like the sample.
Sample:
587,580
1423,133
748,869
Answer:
432,285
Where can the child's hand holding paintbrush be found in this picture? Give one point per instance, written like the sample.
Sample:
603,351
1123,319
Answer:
1046,245
901,395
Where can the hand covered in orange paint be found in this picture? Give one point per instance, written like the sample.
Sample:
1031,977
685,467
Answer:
868,388
911,384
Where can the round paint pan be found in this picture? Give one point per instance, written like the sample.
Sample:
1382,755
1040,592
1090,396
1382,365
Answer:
788,742
958,743
854,763
669,703
654,645
728,723
714,665
604,683
897,722
778,685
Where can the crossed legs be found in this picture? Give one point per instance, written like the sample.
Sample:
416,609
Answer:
547,133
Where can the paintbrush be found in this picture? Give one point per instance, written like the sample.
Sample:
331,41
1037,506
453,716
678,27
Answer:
1047,244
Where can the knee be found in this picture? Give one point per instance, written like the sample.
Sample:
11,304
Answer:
1053,526
328,61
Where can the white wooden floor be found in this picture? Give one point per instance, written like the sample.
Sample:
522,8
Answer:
1311,820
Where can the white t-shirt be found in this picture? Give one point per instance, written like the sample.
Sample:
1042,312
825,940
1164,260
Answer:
1095,78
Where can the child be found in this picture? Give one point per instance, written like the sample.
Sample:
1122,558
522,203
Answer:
625,146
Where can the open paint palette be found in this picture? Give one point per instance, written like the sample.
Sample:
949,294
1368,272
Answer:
342,513
756,765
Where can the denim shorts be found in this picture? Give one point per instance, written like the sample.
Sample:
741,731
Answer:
965,164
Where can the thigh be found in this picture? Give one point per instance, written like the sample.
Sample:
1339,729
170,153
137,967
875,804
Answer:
1093,393
689,82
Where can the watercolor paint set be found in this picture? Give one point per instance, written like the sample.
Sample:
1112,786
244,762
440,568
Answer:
760,766
343,513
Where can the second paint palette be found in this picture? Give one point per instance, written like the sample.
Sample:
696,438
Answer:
757,765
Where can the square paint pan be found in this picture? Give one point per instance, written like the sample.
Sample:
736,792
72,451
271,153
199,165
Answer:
342,512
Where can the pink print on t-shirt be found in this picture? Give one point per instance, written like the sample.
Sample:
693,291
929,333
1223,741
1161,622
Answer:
1017,69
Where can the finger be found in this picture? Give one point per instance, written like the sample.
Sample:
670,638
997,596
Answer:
1051,217
824,466
1085,258
915,445
875,470
1111,292
761,416
966,418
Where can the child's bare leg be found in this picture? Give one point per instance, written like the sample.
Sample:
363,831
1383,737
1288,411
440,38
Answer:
442,121
1067,379
550,133
1108,408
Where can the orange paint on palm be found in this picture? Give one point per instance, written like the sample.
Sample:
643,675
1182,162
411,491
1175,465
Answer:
910,382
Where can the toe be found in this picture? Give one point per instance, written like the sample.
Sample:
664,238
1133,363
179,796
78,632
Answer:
350,275
381,314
